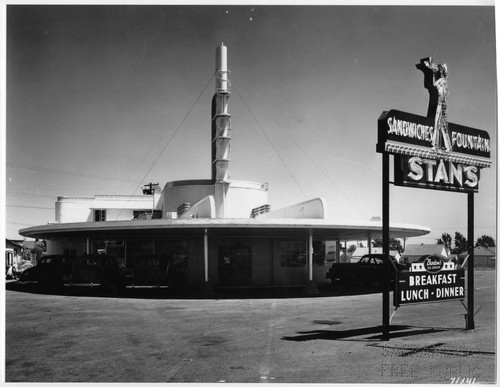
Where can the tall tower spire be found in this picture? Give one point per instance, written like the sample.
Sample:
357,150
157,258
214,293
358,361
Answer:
221,119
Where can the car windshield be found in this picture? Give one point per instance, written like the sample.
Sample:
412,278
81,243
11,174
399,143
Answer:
48,260
371,259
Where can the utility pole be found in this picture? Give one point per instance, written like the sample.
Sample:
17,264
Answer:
149,189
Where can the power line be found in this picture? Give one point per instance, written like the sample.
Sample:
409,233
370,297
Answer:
170,140
19,224
38,208
314,163
270,142
29,195
62,172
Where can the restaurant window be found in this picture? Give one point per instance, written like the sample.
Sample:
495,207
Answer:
293,253
115,248
99,215
173,255
319,255
70,252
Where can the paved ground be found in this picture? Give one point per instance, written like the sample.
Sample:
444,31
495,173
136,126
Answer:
326,339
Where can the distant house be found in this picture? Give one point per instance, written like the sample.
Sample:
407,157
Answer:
413,252
24,248
10,247
483,257
14,244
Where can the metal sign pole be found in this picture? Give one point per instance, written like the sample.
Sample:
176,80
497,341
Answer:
385,246
470,263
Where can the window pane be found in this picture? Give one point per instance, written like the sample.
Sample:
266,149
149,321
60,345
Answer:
99,215
293,253
319,255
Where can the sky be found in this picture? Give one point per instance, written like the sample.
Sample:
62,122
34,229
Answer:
105,99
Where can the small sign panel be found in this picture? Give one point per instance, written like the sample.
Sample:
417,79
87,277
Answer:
430,281
433,264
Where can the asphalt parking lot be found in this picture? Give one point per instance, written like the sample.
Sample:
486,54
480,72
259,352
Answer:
325,339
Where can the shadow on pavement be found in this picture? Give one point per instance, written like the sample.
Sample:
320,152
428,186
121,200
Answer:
261,292
359,333
159,293
92,291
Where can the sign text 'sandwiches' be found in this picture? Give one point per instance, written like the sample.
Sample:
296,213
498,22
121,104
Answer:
401,127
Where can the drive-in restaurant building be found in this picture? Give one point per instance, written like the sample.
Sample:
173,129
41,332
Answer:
219,232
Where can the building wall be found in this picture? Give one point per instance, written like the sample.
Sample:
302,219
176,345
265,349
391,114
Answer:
261,259
243,197
75,209
177,193
268,267
313,208
235,199
484,261
286,275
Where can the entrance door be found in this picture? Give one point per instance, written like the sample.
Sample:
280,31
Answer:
235,266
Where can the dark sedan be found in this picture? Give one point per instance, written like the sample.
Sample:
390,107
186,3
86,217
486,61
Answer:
56,271
49,272
368,271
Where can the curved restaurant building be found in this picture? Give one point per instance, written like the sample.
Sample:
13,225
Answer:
218,232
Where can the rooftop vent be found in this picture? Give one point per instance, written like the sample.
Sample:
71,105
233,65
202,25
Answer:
261,210
183,208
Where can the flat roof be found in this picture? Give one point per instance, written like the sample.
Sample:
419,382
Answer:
277,227
200,182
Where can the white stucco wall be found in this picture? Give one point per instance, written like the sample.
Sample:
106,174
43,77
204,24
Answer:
239,199
310,209
205,208
177,193
118,207
242,197
69,210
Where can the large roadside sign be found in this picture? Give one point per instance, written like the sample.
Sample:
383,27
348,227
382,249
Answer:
429,281
430,152
419,163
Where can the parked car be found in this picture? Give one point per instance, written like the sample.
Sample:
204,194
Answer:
49,272
368,271
100,270
54,271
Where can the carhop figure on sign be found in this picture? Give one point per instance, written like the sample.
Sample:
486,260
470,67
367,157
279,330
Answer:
436,81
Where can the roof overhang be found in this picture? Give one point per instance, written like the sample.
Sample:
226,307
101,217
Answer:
319,228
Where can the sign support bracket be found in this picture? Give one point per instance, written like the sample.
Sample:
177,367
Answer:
393,313
465,306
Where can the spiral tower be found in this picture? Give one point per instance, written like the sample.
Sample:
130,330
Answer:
221,119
